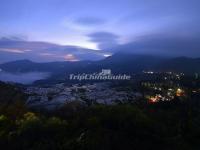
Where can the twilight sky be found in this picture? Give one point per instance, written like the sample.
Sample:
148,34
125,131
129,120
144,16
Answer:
169,27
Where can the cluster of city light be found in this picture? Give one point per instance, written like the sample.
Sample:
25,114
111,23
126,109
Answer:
170,95
180,92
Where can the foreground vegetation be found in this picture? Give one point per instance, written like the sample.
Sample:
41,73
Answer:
160,126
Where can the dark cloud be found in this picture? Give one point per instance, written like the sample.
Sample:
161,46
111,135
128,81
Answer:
104,39
13,38
90,21
21,43
161,44
15,49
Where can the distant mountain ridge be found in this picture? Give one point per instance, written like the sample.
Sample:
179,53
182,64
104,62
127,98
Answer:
118,63
180,64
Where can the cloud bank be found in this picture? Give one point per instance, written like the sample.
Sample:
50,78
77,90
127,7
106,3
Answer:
163,44
12,49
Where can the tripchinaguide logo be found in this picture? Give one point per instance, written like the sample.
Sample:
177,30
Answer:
105,74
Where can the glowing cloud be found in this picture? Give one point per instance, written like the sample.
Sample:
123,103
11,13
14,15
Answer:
70,57
14,50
